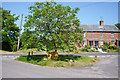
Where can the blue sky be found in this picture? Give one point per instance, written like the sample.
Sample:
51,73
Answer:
89,13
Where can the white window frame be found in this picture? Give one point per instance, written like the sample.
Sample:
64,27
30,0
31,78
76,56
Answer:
101,34
112,34
101,42
83,34
83,43
112,42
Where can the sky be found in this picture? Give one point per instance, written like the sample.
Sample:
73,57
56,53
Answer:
89,13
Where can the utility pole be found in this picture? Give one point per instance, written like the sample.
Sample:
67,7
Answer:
19,34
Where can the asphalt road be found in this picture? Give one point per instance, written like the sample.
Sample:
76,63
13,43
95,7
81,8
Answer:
106,68
80,54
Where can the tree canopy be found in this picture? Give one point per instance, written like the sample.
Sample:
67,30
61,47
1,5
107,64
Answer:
9,31
53,26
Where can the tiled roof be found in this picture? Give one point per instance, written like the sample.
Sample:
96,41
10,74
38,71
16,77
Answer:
105,28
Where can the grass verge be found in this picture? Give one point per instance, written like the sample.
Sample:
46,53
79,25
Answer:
63,60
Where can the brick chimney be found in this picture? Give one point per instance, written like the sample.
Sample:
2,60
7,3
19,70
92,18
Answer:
101,23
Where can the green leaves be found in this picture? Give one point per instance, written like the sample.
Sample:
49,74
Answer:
9,31
52,24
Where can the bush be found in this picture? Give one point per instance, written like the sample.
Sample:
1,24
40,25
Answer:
106,45
92,50
104,49
76,51
96,48
14,47
112,47
101,46
84,50
88,47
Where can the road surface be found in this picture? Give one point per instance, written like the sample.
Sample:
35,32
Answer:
107,67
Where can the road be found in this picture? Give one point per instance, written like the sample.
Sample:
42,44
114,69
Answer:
107,67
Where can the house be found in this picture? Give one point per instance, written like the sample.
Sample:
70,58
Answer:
96,35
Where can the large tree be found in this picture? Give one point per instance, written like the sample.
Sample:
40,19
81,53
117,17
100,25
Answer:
29,40
9,31
53,24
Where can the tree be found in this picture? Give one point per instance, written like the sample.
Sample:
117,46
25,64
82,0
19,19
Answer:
9,31
118,25
53,25
29,40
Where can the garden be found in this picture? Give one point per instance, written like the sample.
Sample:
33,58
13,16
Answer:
62,61
107,47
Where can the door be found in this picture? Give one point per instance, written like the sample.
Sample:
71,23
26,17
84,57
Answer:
96,44
91,43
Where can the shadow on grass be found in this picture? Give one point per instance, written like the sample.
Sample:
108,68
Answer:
65,58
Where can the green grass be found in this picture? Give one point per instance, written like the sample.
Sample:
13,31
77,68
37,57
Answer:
114,50
63,60
30,50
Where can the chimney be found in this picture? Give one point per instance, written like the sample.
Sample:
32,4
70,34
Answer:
101,23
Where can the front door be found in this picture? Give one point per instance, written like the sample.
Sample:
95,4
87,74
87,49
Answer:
96,44
91,43
119,45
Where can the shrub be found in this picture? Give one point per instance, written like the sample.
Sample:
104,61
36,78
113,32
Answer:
96,48
104,49
14,48
101,46
92,50
84,50
106,45
88,46
45,58
52,55
76,51
112,47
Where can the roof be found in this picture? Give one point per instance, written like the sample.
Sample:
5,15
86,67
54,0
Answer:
105,28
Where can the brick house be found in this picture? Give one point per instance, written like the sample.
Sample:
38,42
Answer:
96,35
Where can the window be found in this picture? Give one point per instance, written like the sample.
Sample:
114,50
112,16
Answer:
112,34
101,42
101,34
83,43
112,42
83,34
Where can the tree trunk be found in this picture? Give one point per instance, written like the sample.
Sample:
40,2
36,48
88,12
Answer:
55,48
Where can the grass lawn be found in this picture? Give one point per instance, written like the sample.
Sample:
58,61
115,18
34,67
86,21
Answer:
114,50
63,60
35,50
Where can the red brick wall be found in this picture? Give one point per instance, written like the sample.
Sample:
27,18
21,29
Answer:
96,35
